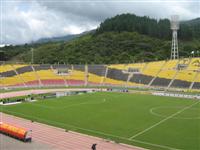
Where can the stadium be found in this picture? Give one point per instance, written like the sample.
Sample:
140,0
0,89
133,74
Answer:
178,74
115,87
152,105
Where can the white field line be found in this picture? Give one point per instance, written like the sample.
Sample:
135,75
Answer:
167,118
95,131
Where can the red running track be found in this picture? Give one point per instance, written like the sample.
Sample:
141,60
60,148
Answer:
59,139
42,91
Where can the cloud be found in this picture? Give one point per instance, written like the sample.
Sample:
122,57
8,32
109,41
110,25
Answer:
21,25
25,21
98,10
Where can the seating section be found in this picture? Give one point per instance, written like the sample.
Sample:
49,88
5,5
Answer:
9,77
8,67
96,74
46,76
168,70
180,84
166,73
119,74
161,82
141,79
183,73
76,76
153,68
196,85
195,65
114,75
27,75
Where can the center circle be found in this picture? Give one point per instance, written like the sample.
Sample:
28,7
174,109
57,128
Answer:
166,111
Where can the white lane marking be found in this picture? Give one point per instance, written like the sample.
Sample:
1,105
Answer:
160,122
153,112
95,131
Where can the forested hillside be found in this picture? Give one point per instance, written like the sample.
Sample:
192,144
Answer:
155,28
122,39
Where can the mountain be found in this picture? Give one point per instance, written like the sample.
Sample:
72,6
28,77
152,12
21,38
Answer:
192,22
108,48
62,38
148,26
56,39
124,38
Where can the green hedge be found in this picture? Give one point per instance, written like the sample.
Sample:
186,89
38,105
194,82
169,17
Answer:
23,98
16,99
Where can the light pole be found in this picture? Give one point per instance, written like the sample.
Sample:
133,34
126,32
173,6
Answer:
174,27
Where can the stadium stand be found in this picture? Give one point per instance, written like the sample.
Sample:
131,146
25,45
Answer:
96,74
8,67
114,75
182,73
139,75
46,76
76,76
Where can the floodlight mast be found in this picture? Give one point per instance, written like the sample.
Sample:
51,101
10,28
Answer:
174,28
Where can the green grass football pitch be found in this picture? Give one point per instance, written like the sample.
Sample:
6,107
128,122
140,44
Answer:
148,121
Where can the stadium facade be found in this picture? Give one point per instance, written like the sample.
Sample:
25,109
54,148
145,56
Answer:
180,73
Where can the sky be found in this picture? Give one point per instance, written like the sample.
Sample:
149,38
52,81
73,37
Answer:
25,21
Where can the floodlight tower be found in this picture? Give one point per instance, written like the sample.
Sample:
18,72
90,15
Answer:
174,28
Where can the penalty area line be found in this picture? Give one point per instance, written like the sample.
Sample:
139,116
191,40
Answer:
162,121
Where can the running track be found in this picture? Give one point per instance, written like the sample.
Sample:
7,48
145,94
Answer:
61,140
42,91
